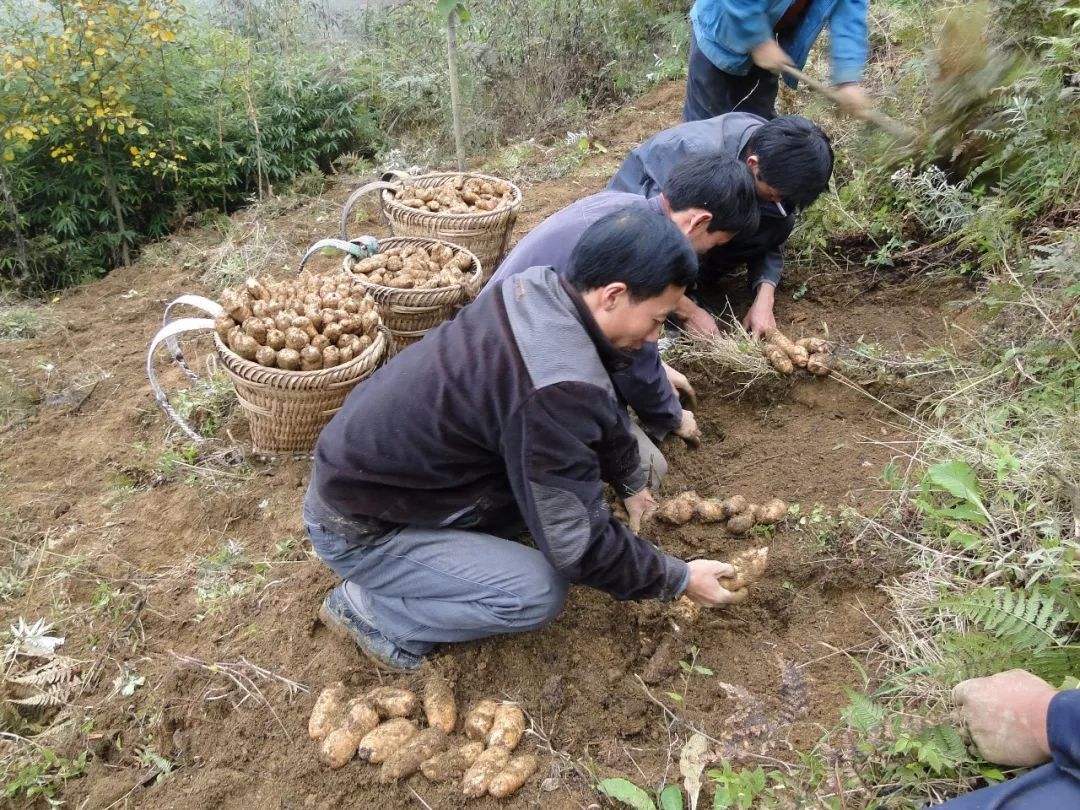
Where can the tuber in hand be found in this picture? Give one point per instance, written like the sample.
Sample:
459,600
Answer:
749,566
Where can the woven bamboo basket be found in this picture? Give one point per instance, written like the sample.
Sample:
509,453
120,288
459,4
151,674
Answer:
485,233
410,314
286,410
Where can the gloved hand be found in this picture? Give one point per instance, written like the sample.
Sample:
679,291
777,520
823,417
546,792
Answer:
1006,715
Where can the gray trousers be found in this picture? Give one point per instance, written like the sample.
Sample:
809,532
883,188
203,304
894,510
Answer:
421,587
652,460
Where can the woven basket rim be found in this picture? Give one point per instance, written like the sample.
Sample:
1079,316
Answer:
391,200
477,274
240,367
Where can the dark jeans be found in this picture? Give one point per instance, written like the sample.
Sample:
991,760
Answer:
711,92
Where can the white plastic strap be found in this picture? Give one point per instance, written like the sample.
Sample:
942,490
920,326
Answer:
167,334
211,308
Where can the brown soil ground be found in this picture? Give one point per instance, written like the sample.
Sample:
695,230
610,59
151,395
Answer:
83,497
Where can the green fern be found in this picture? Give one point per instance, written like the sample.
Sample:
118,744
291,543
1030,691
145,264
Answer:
862,714
1027,620
946,740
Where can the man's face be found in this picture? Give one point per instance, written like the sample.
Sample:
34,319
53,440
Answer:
630,324
694,223
701,238
764,190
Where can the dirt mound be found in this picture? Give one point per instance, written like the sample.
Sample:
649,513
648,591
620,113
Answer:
201,583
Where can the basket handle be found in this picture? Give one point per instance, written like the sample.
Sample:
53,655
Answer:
376,185
210,308
360,248
168,334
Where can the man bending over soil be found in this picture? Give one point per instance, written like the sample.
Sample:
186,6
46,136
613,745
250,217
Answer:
791,160
502,419
711,199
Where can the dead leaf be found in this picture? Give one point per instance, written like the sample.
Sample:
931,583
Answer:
691,764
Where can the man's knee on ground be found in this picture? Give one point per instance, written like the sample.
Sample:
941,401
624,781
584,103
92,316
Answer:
654,463
542,594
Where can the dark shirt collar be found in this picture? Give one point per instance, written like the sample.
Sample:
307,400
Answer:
614,359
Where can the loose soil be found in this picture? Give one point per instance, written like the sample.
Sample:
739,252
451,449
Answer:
83,493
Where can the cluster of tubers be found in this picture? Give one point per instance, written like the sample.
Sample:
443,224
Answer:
308,323
376,728
736,513
458,195
415,267
749,567
811,353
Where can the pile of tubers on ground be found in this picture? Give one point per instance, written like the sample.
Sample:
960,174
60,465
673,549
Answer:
377,729
416,267
458,195
811,353
736,513
308,323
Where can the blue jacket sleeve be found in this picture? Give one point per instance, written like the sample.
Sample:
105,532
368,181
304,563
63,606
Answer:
1063,731
847,40
746,23
645,388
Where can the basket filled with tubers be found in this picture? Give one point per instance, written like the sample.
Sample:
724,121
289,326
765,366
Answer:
476,211
418,283
292,348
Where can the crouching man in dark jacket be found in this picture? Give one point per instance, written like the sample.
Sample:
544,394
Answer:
502,419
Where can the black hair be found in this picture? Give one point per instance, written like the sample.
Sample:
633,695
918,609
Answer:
794,156
722,185
644,250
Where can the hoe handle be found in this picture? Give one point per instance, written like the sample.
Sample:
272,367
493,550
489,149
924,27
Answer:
868,114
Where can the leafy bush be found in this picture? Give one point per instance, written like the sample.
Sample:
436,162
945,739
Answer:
119,117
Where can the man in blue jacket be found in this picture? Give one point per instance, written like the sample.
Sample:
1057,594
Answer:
738,46
1019,720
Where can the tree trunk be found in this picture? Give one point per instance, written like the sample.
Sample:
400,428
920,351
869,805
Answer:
114,200
22,253
455,87
253,115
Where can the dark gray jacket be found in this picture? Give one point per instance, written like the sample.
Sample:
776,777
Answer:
647,168
506,413
643,385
